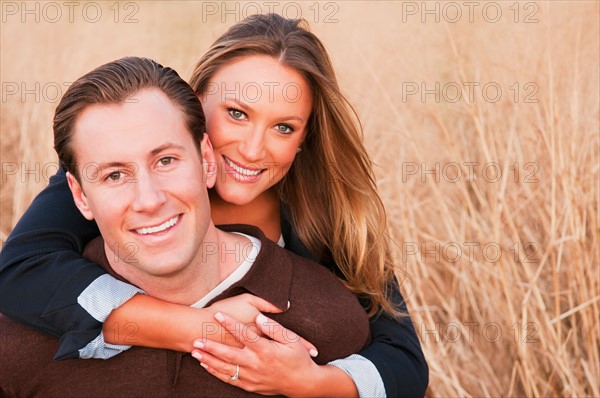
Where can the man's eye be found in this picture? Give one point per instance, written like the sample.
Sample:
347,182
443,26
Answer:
114,176
236,114
284,128
167,160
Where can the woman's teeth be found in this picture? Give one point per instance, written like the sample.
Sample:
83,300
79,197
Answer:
242,170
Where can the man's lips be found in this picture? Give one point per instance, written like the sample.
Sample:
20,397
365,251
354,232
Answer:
153,229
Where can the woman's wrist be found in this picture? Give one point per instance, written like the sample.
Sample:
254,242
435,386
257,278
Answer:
149,322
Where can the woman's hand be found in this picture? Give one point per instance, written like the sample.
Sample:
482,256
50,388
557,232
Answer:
266,366
244,307
281,364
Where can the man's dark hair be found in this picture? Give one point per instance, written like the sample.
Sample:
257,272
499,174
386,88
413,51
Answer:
114,83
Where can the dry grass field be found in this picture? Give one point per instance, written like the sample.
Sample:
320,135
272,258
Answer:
483,122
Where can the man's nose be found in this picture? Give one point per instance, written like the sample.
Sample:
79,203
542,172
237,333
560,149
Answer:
149,195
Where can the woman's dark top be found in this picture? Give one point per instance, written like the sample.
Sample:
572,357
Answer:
42,273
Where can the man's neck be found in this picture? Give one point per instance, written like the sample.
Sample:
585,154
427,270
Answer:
219,255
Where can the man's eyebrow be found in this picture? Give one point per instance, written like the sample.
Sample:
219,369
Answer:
111,165
164,147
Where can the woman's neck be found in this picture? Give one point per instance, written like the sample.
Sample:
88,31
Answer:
262,212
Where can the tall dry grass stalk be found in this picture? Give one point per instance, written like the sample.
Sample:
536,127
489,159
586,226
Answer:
498,248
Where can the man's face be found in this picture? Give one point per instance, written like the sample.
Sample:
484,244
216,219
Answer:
143,181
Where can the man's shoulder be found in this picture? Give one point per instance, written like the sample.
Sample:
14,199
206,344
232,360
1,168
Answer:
12,332
23,351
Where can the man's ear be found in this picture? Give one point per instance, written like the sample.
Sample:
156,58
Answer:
209,163
79,197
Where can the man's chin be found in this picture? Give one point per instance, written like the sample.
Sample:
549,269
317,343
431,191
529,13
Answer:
148,266
167,264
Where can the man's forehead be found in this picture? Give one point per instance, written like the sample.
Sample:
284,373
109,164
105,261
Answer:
145,125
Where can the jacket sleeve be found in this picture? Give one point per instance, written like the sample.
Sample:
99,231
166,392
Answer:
42,273
396,352
395,349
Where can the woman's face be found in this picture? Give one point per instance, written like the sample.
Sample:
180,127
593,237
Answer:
257,112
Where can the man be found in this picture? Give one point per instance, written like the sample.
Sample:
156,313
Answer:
130,135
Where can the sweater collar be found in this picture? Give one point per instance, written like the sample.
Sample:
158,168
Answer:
270,277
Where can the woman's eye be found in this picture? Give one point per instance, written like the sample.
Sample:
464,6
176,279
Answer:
284,128
236,114
167,160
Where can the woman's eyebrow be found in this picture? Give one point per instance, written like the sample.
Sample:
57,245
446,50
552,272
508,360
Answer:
245,107
238,102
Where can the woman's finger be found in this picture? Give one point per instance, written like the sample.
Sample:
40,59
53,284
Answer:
223,352
242,333
312,350
277,332
263,305
205,358
239,382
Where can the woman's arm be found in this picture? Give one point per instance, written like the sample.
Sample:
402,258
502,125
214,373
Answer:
150,322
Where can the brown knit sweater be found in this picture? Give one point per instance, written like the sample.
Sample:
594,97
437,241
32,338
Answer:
322,310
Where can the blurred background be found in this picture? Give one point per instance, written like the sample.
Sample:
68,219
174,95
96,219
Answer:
483,123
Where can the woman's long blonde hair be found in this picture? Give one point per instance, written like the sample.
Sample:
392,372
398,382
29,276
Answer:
330,187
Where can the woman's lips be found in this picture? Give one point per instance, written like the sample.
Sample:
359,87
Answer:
241,173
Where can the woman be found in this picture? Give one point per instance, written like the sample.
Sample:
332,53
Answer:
323,205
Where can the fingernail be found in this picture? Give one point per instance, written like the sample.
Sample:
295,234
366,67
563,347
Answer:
198,344
260,318
219,317
197,355
313,353
205,366
289,305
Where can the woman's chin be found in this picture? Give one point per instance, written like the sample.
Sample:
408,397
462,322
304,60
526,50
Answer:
238,198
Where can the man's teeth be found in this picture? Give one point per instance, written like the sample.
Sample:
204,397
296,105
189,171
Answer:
242,170
158,228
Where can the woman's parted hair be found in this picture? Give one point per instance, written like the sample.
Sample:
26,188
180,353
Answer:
330,187
114,83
